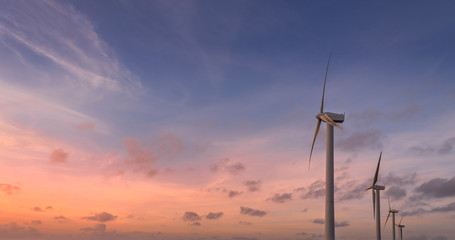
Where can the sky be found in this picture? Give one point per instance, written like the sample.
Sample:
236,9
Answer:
191,119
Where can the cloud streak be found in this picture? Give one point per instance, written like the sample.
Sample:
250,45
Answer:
101,217
252,212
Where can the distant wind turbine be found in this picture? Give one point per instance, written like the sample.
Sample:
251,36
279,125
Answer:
376,200
331,119
391,211
401,228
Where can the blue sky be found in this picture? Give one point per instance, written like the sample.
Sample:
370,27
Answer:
198,101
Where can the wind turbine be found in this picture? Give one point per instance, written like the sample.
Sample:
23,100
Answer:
331,119
376,200
401,228
391,211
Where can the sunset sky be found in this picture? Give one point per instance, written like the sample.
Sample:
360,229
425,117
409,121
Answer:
178,120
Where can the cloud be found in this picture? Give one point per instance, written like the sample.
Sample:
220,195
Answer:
414,212
367,139
38,209
280,198
213,216
396,193
405,114
418,150
399,181
253,186
318,221
15,231
97,228
49,208
86,126
342,224
352,190
421,237
61,219
440,238
447,208
101,217
245,223
233,193
315,190
36,222
366,117
447,146
225,166
252,212
437,188
191,217
420,211
59,156
310,236
142,157
337,224
57,32
9,189
197,224
243,238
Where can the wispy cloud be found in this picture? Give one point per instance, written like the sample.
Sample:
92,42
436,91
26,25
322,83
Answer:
252,212
59,156
9,189
362,140
213,216
280,198
101,217
67,38
225,165
253,186
337,224
97,228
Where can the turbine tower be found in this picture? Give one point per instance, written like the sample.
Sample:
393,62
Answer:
331,119
376,200
401,228
391,211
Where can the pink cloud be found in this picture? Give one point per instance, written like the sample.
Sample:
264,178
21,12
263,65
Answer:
59,156
9,189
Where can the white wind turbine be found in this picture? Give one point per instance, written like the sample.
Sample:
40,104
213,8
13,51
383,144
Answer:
376,200
331,119
401,228
391,211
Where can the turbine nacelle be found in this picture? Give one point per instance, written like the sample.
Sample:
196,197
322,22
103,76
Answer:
335,117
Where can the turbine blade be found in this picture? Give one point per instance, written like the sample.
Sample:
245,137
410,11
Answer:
328,120
314,140
401,220
388,215
325,79
377,170
374,204
388,198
